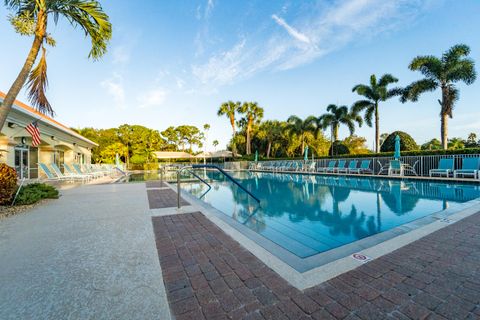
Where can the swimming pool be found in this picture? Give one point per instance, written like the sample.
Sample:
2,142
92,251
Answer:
312,214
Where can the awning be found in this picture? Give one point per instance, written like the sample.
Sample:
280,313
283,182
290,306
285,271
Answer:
172,155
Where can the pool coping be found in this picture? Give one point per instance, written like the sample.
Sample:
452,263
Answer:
311,271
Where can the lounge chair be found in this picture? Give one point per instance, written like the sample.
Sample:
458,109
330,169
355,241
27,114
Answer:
351,165
445,167
364,167
395,168
80,171
60,174
331,166
48,173
340,166
71,172
470,167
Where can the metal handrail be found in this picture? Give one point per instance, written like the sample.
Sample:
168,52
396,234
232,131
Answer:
187,168
209,166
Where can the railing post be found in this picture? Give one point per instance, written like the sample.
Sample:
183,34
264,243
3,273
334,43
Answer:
178,189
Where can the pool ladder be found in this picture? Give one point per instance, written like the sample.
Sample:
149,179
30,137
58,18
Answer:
207,166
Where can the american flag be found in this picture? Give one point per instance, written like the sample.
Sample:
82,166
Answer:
32,128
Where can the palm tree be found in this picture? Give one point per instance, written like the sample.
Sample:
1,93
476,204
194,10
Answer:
300,128
337,116
253,113
230,109
374,93
30,18
270,131
443,73
215,144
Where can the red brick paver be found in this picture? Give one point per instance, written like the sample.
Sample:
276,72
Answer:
208,275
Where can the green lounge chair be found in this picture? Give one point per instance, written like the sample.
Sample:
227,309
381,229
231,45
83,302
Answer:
340,166
470,167
445,167
48,173
60,174
364,167
351,165
395,168
331,166
71,172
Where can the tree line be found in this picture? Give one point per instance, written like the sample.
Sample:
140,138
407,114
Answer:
286,138
135,144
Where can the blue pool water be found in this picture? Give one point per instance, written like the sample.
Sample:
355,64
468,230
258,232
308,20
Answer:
307,215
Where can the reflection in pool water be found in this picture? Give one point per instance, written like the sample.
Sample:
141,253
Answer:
311,214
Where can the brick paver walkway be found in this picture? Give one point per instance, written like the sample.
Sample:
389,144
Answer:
208,275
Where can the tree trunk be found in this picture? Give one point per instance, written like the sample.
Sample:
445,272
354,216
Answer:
234,146
377,129
444,130
18,84
446,110
303,144
335,133
269,148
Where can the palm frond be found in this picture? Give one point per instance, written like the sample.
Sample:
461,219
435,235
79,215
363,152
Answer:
455,53
462,70
88,15
362,105
429,66
369,116
37,85
414,90
387,79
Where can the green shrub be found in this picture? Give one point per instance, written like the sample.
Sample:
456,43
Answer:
8,183
406,142
150,166
34,192
339,148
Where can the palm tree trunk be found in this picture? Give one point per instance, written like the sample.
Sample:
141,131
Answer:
444,130
234,146
335,133
377,130
303,144
18,84
269,148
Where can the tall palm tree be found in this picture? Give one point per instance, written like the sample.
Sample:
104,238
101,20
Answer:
442,73
30,18
374,93
337,116
230,109
300,128
253,113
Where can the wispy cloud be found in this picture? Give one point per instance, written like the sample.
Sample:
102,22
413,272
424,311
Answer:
317,30
152,98
115,88
120,55
292,31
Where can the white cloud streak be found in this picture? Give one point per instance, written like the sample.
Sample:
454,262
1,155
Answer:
115,89
152,98
291,31
318,31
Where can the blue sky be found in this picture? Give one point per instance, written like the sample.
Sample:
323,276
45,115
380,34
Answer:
175,62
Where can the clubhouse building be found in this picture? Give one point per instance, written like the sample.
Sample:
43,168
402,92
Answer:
59,144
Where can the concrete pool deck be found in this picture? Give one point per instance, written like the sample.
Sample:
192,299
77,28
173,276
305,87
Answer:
88,255
92,254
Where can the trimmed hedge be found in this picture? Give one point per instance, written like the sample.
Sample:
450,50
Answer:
406,142
339,149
